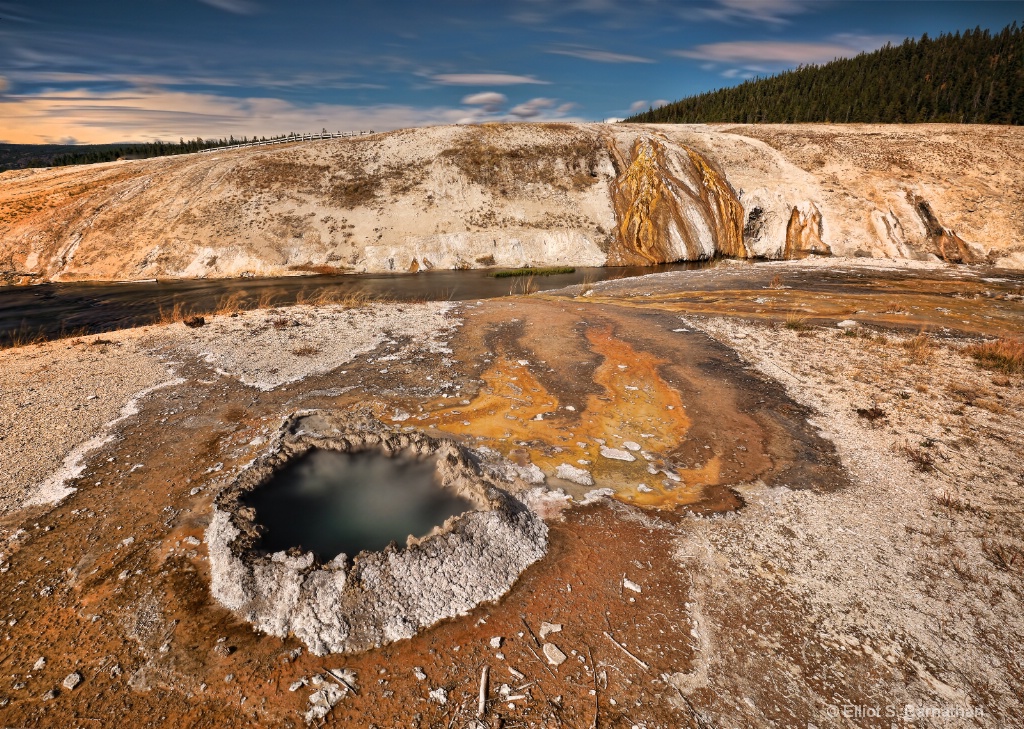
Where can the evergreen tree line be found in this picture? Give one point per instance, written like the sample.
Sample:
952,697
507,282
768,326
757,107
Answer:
110,153
21,156
970,77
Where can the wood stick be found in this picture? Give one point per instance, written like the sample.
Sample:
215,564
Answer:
530,630
597,700
623,649
481,706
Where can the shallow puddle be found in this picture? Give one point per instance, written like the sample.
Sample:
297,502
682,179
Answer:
331,503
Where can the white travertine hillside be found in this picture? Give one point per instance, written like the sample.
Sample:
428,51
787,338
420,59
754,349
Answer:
525,194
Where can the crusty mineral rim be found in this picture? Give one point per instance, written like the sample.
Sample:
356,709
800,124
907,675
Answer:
350,605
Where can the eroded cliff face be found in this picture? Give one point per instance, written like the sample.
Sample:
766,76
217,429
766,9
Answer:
671,204
803,234
510,195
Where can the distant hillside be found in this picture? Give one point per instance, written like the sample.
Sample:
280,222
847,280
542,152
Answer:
525,196
21,156
973,77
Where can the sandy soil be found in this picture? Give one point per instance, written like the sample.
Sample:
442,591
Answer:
844,539
59,398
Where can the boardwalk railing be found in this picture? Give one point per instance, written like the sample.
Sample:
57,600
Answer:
289,140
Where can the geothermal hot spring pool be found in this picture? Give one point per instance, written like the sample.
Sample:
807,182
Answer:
328,502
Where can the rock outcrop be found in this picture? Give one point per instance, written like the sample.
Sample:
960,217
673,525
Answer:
672,204
803,234
510,195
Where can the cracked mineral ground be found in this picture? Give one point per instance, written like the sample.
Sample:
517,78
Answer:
773,493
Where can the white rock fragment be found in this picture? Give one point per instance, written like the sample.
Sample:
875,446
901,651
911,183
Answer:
496,642
192,541
547,629
596,495
323,700
297,685
631,445
72,680
38,666
529,474
419,674
439,695
617,454
576,475
345,677
553,654
848,324
644,488
630,585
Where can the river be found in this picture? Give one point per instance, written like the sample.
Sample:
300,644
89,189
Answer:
50,310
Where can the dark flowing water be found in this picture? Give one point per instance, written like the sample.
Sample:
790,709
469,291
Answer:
330,503
50,310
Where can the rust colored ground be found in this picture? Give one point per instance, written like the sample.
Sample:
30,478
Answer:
113,582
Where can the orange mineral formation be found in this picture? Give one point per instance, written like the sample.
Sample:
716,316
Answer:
619,436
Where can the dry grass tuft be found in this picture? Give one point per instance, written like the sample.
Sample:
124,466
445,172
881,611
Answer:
1004,556
305,350
919,348
871,414
921,459
797,322
177,313
953,503
21,338
1001,355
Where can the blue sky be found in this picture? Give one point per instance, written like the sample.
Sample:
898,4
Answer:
107,70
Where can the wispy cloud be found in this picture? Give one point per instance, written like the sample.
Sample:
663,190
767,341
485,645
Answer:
489,101
148,114
238,7
644,104
484,79
533,108
145,114
592,54
782,52
776,12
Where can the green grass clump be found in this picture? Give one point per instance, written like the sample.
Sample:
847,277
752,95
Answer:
533,272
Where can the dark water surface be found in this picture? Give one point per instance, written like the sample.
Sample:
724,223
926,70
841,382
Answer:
50,310
329,502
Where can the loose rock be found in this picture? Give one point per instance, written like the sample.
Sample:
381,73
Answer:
553,654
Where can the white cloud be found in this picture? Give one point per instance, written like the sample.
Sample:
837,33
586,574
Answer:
533,108
143,114
238,7
150,113
644,104
782,52
490,101
764,11
484,79
590,54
